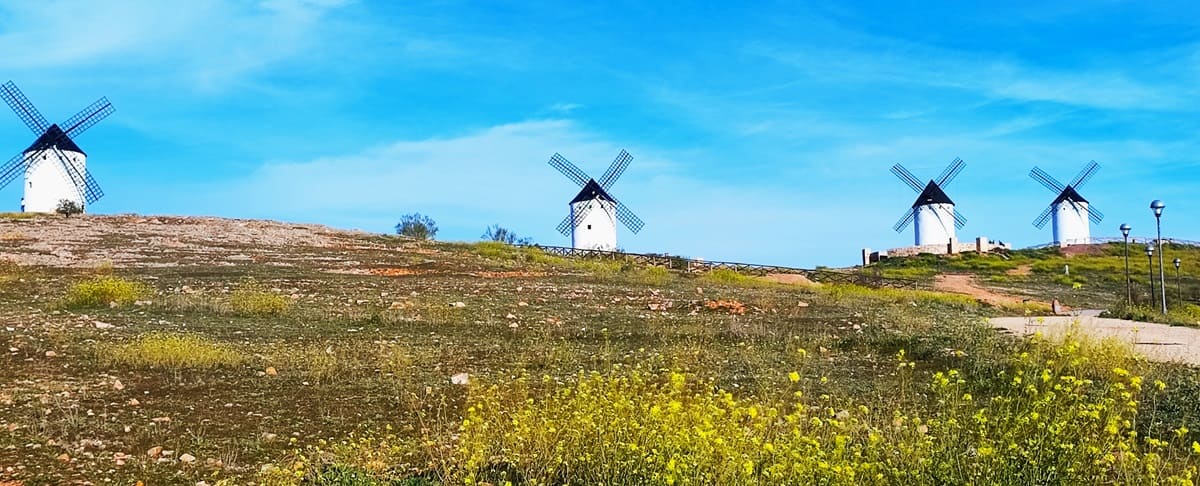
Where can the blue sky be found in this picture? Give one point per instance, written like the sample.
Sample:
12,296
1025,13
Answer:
760,131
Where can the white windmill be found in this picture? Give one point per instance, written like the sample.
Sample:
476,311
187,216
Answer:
933,215
53,165
592,223
1069,210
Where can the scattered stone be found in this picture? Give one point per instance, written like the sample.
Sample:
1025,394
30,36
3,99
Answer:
142,303
510,316
64,457
460,379
268,436
102,325
119,458
154,451
118,386
802,304
161,420
133,402
513,325
51,354
271,371
458,304
187,458
522,304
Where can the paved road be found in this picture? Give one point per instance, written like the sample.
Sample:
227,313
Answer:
1158,342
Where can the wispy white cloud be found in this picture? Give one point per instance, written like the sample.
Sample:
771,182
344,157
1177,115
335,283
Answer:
213,44
1137,83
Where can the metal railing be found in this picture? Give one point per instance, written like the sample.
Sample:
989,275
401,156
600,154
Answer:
696,265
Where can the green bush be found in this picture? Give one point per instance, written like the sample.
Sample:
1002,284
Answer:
105,291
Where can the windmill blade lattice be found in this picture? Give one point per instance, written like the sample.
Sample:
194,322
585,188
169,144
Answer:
907,177
1085,174
1094,214
615,169
13,168
87,117
23,108
1042,219
568,169
626,216
1046,180
905,220
952,171
959,220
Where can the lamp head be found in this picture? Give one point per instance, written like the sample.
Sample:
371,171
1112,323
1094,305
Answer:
1150,249
1157,206
1125,229
1177,262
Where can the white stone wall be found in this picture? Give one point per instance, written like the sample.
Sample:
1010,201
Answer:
598,229
47,182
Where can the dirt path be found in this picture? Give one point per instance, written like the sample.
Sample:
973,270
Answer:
1158,342
966,285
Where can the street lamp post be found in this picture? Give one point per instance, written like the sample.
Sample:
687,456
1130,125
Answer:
1157,206
1178,284
1128,284
1150,260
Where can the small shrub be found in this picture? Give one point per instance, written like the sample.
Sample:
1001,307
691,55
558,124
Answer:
501,234
171,351
417,226
251,300
67,207
106,290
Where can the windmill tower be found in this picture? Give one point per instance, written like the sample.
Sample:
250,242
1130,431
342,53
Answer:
1069,210
55,168
933,215
592,223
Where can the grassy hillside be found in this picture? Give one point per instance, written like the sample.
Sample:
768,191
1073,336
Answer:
211,352
1093,278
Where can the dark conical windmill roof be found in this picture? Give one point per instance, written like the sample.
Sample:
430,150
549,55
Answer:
54,136
591,190
932,195
1069,194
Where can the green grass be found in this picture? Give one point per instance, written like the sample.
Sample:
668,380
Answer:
1096,279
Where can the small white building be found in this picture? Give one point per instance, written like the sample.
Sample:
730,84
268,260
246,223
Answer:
594,214
933,222
47,181
1070,219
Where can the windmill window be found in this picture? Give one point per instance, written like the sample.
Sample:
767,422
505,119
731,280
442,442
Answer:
589,226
